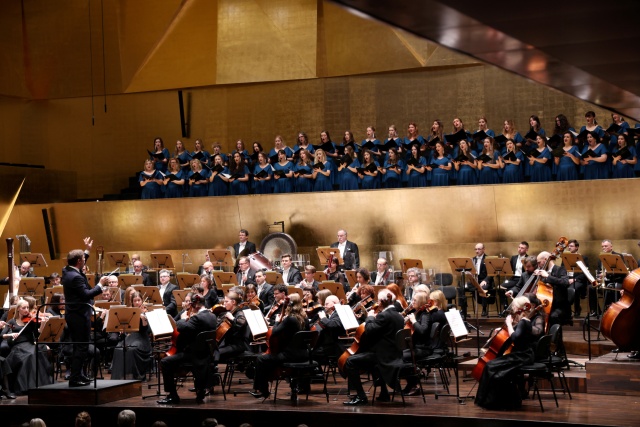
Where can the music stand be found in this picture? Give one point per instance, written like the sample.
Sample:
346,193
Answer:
407,263
187,280
336,288
497,267
464,266
31,286
180,295
221,277
51,330
293,290
320,276
325,252
221,257
226,287
48,293
351,277
630,261
612,264
35,259
163,261
376,289
119,259
149,294
123,320
126,280
274,278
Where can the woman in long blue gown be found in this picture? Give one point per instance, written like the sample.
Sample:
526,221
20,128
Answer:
370,179
174,180
253,158
567,165
347,172
183,156
283,174
239,171
393,141
466,169
218,183
240,148
488,169
200,153
279,145
416,169
150,180
512,168
442,167
302,144
304,172
264,184
540,165
413,137
594,166
322,176
371,143
198,185
624,160
509,132
158,148
329,148
392,170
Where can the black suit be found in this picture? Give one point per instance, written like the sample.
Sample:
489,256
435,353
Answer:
560,309
328,343
613,281
146,280
351,256
267,297
189,350
482,276
293,277
508,284
249,248
77,293
169,301
386,280
251,277
580,285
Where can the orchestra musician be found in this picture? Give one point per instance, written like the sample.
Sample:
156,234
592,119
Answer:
138,270
189,350
208,291
310,304
400,302
185,313
364,295
336,275
265,291
413,280
251,297
286,325
309,278
245,273
580,284
486,282
555,276
244,246
290,274
166,292
380,353
348,251
138,353
331,329
362,278
237,338
422,320
517,266
500,386
611,280
279,294
529,265
383,274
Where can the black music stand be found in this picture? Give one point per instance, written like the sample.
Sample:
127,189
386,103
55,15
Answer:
124,320
159,335
612,264
498,267
221,257
464,266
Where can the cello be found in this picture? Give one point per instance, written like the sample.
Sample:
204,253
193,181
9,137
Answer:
620,322
273,344
544,291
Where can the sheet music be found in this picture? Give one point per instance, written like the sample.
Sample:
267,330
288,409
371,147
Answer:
348,319
256,322
159,322
456,323
585,270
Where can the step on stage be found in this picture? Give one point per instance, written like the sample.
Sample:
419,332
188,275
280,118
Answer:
105,391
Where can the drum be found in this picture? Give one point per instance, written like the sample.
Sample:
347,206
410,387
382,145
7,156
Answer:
258,261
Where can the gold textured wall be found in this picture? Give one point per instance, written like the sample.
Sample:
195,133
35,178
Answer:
431,224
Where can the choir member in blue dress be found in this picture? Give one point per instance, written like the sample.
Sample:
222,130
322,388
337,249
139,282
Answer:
198,179
436,134
183,156
216,148
371,143
199,153
347,170
150,180
253,158
617,127
218,183
509,132
174,180
488,168
322,176
465,169
392,170
593,126
348,140
562,125
567,165
158,148
413,137
392,141
540,163
239,171
283,174
302,144
483,125
458,126
512,164
370,178
416,170
240,148
440,166
277,146
304,172
329,148
534,123
595,165
263,184
624,159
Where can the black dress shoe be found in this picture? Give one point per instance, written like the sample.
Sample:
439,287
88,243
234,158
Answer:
634,355
484,313
169,400
356,401
415,391
85,378
78,383
7,394
200,397
260,394
384,398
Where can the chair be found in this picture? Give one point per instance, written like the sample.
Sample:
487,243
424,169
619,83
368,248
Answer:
204,349
407,369
450,293
558,359
539,369
296,371
443,279
438,360
246,359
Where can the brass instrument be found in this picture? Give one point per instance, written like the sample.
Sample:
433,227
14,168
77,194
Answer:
99,259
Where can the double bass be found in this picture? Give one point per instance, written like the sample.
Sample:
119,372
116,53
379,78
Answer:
544,291
620,322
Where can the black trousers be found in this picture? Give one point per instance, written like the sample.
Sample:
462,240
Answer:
80,331
362,362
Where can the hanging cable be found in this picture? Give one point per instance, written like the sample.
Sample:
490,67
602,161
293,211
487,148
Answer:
104,64
93,121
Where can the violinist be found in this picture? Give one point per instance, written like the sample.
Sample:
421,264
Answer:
309,278
399,302
310,304
251,297
266,292
21,360
427,309
500,385
364,294
185,313
236,339
335,275
556,277
293,320
379,354
413,280
279,294
362,278
138,345
383,274
330,330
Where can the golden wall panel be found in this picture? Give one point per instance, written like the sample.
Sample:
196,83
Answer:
12,79
431,224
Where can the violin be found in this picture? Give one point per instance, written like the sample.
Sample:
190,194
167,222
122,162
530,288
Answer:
312,308
360,309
